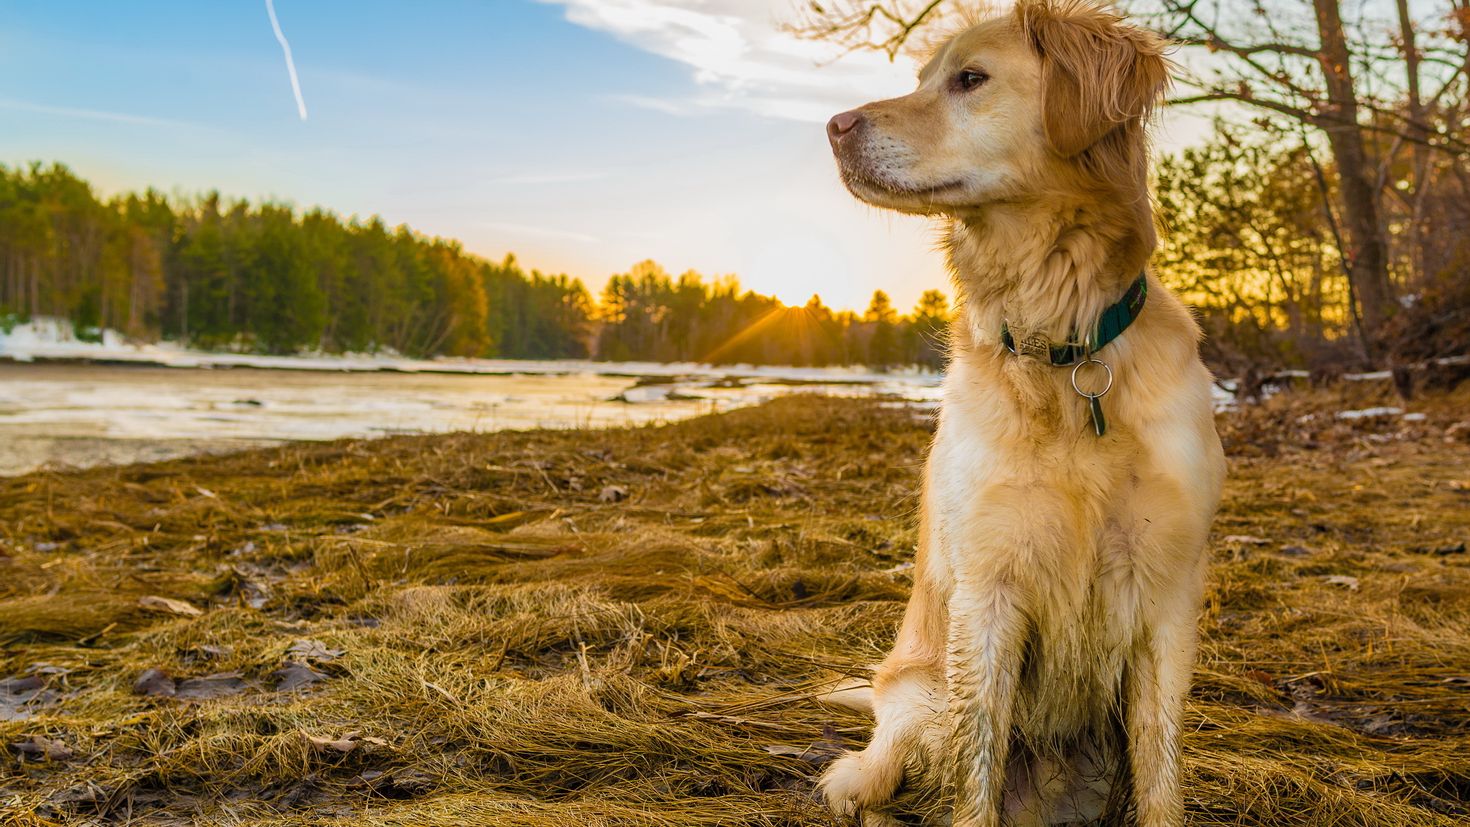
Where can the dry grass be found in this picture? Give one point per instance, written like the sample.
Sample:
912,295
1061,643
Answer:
521,646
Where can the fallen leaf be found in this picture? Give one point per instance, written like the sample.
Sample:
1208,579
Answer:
1348,581
294,676
17,686
309,649
782,749
209,687
395,784
347,743
155,683
344,744
612,494
86,793
818,753
20,697
154,603
210,652
39,747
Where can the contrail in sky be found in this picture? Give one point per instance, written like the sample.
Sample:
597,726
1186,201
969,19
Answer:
270,9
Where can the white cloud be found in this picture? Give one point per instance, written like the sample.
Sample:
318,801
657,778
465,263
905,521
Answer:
741,58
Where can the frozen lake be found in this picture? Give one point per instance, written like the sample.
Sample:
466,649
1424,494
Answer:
63,414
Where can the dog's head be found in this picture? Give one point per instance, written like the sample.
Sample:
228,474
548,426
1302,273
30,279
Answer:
1012,106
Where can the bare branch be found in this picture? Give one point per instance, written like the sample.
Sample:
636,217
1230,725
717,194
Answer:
852,25
1214,42
1322,119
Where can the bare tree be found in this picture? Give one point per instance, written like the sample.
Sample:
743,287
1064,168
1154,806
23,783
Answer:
1368,90
1361,92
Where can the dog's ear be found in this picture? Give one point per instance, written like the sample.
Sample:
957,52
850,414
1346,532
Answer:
1097,73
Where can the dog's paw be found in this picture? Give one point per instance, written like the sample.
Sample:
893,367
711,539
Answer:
857,781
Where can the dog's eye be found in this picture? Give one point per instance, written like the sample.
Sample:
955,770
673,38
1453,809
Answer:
970,79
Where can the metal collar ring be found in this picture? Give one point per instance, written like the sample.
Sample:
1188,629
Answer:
1091,361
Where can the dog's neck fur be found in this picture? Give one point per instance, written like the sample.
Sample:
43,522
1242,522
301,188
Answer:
1043,267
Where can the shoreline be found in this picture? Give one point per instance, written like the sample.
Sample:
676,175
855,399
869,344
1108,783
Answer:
51,342
770,374
85,412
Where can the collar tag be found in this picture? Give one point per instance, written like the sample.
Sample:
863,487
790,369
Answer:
1094,397
1034,345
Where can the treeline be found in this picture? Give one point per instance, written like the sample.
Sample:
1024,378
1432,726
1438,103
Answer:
223,274
646,314
228,274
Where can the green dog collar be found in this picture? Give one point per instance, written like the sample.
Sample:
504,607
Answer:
1110,326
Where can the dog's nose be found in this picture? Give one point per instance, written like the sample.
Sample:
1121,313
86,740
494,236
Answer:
842,124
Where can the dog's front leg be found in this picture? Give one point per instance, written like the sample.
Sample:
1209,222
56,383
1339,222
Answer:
1157,683
986,637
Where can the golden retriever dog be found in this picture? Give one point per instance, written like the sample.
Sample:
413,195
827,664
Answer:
1040,670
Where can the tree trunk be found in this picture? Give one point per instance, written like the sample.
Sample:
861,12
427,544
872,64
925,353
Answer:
35,287
1418,131
1366,253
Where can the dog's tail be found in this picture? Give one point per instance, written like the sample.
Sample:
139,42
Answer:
852,693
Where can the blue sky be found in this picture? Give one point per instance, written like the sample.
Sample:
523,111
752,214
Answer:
583,135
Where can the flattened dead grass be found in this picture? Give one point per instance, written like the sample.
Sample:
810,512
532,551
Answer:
619,627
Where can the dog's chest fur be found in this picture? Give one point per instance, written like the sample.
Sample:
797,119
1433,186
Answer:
1027,498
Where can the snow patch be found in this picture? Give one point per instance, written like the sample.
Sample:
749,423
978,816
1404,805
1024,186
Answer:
53,339
1369,413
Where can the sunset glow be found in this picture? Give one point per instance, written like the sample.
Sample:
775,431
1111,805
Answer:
582,136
